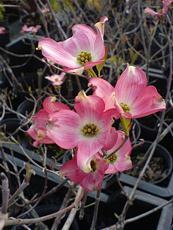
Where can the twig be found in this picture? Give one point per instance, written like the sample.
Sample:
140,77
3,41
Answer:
72,214
18,191
64,204
5,193
10,221
96,207
148,213
9,6
56,20
82,209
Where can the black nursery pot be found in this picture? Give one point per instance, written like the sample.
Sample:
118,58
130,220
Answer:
160,220
25,108
167,141
24,45
4,38
3,81
161,164
163,186
30,19
11,13
149,127
10,125
32,81
16,97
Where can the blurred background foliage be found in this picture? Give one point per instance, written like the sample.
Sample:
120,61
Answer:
2,11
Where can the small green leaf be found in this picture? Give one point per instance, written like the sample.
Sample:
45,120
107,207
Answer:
126,125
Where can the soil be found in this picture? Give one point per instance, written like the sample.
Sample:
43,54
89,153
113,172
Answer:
155,172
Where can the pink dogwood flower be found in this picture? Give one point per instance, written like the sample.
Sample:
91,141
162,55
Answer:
164,10
2,30
87,128
166,6
56,79
30,29
91,180
83,50
38,130
131,96
119,155
152,12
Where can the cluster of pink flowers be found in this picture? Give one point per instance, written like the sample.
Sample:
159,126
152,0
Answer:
99,148
166,5
30,29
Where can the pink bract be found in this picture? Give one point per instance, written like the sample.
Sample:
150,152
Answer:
120,160
83,50
87,128
101,25
131,96
89,181
38,130
50,105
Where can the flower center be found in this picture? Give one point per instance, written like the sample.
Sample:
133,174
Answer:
125,107
40,134
90,130
111,159
57,79
83,57
93,165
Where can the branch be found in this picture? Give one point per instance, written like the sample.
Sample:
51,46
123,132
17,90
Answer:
94,220
10,222
72,214
148,213
5,193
